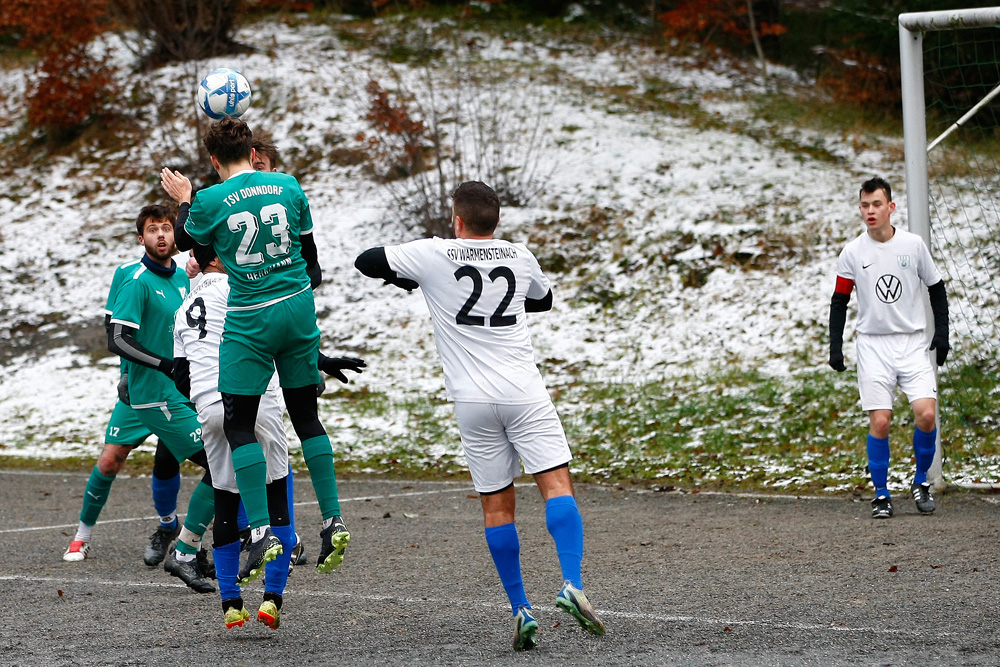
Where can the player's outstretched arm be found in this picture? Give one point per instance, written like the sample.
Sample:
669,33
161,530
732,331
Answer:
336,365
538,305
939,307
374,264
121,341
838,318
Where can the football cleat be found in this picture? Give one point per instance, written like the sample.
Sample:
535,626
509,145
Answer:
333,543
261,552
159,542
77,550
234,613
206,568
269,614
572,601
923,498
882,507
525,627
188,573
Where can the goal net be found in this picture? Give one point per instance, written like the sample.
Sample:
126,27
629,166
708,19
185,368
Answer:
950,63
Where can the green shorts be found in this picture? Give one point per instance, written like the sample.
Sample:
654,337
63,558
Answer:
124,428
176,425
283,335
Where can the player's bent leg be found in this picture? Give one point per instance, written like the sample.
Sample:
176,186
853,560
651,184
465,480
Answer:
249,462
504,544
184,561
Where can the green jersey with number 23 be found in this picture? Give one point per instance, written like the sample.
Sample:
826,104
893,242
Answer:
254,220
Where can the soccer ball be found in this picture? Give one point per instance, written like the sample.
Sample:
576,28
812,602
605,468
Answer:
224,92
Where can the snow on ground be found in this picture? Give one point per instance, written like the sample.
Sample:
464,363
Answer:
669,198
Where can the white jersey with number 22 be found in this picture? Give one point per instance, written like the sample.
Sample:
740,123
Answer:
475,291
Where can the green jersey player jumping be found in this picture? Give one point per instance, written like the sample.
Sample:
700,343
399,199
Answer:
260,226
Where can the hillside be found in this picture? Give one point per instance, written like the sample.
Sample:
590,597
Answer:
688,241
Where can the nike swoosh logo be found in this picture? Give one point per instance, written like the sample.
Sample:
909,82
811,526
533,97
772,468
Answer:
865,266
95,497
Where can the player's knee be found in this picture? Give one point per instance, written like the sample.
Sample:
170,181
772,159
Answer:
238,437
925,419
111,461
308,428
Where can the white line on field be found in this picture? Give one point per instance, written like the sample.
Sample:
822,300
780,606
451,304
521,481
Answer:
423,601
302,504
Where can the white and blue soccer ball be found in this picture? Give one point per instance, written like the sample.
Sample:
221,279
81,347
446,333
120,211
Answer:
224,92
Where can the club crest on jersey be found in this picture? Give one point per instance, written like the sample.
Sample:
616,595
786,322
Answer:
904,261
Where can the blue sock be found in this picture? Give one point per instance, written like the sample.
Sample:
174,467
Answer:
878,464
506,551
241,517
562,518
276,572
165,495
291,506
227,569
923,450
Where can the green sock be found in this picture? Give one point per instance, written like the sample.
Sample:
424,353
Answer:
251,479
94,496
319,458
201,510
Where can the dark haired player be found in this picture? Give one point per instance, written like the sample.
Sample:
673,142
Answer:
888,266
140,331
478,290
260,226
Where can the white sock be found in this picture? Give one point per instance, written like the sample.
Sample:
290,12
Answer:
257,533
83,532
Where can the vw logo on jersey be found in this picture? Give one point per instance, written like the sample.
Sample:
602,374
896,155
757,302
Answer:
904,261
888,289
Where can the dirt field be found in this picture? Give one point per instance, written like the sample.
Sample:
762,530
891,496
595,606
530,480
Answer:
693,579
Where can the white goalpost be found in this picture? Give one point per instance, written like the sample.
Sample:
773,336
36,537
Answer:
974,225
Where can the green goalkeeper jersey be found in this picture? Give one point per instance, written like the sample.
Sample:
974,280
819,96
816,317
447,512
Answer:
254,220
146,302
122,273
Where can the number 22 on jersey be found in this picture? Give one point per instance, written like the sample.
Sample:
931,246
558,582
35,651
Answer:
498,318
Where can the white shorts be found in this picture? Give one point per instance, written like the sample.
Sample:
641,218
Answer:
888,360
497,438
270,432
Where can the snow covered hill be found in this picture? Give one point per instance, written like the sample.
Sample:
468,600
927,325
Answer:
675,246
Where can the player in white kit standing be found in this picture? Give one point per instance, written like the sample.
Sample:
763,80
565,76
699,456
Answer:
478,290
889,266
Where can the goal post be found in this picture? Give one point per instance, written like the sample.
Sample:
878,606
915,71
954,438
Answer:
912,29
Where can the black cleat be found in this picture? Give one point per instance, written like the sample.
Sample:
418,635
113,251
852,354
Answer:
333,543
188,573
923,498
159,542
206,568
882,507
260,553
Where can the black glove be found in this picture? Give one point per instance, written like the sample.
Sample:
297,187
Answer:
123,390
320,388
940,343
336,365
315,274
167,368
837,361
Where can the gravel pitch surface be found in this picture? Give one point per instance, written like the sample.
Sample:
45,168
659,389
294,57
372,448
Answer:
695,579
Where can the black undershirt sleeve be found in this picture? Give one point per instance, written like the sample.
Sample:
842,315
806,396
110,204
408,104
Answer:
939,307
182,239
538,305
182,376
121,341
838,319
374,264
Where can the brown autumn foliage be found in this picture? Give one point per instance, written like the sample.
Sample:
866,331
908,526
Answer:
704,21
70,86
